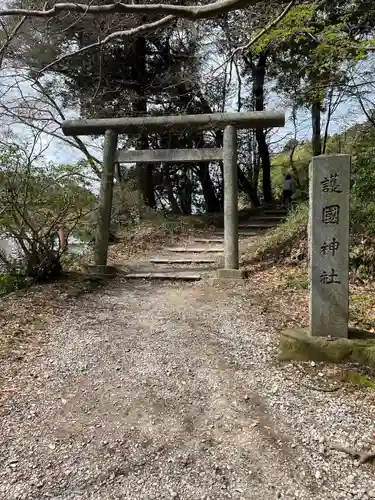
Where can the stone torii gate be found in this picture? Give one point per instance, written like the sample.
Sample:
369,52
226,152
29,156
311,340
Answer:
229,122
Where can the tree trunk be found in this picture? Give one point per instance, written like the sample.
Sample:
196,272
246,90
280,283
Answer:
246,186
145,175
219,144
258,73
212,203
144,171
328,121
316,140
186,193
266,165
243,182
169,189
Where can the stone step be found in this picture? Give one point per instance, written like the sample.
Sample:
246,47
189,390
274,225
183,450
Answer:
257,226
162,275
209,240
187,260
279,212
265,218
146,272
195,250
244,234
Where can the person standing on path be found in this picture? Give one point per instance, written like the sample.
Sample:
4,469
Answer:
63,240
288,190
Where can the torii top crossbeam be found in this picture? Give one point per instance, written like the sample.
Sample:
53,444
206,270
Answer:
212,121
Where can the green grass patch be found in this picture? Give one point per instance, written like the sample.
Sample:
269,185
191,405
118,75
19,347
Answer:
279,242
361,309
295,279
11,283
289,240
358,379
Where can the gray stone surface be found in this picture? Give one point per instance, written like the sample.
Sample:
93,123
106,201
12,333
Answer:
258,225
195,249
211,121
230,198
185,260
298,345
243,234
232,274
101,270
105,198
170,275
209,240
329,245
170,155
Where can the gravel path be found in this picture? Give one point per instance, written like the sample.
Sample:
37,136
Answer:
159,391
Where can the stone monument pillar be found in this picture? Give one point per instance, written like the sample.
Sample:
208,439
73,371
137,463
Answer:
105,198
230,198
329,245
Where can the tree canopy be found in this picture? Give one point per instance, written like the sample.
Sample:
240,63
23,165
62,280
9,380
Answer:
107,60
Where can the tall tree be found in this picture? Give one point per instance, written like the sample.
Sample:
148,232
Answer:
313,49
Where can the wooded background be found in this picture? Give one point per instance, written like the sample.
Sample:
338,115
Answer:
62,60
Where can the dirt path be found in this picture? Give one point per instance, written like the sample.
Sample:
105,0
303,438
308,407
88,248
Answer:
159,391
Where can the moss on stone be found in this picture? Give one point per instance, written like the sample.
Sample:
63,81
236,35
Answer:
298,345
358,379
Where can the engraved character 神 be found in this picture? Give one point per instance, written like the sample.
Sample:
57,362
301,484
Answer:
332,247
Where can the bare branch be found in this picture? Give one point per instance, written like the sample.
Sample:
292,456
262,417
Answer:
10,38
191,12
76,21
267,28
242,48
144,28
41,113
76,142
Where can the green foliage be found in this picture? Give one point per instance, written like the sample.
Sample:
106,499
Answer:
361,310
295,25
358,379
172,228
289,240
126,207
363,175
314,47
281,165
357,141
11,283
295,279
362,256
37,200
279,242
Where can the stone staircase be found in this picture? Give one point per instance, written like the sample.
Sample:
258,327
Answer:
200,256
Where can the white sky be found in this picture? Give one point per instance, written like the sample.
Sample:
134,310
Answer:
347,114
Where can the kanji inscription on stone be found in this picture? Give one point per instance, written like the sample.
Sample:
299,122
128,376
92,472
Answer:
330,248
329,278
330,184
329,245
331,214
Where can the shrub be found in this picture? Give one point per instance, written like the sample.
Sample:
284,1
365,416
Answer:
279,242
36,201
10,283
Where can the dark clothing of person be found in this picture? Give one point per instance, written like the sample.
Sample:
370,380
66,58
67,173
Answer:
287,196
